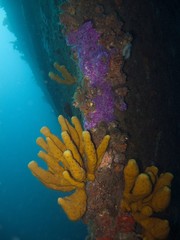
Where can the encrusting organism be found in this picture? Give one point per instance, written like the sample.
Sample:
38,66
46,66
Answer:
67,78
144,195
71,162
94,62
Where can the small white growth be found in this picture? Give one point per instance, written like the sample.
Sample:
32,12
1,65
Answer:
126,52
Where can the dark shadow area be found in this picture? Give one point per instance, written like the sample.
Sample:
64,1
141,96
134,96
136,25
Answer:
153,80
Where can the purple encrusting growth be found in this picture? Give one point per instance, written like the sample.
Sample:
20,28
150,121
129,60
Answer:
94,63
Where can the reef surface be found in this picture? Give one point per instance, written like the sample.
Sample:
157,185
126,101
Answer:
137,47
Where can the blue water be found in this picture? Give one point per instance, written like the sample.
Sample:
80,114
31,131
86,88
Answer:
28,210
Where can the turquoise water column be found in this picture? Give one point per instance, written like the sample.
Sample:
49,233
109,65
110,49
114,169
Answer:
28,210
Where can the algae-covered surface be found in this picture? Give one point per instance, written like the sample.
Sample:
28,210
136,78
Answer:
136,49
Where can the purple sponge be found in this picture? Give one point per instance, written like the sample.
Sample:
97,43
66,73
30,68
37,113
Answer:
94,63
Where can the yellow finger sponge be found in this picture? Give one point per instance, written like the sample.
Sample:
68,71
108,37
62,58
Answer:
71,162
131,172
91,155
77,172
66,78
142,186
161,199
75,204
156,228
145,194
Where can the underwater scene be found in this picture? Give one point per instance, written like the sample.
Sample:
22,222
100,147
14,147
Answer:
89,120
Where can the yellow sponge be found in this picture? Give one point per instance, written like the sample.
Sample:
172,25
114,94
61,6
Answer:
165,179
50,180
91,155
77,172
155,227
142,186
71,162
67,78
67,176
144,194
131,172
101,149
161,199
77,125
72,147
66,126
75,204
